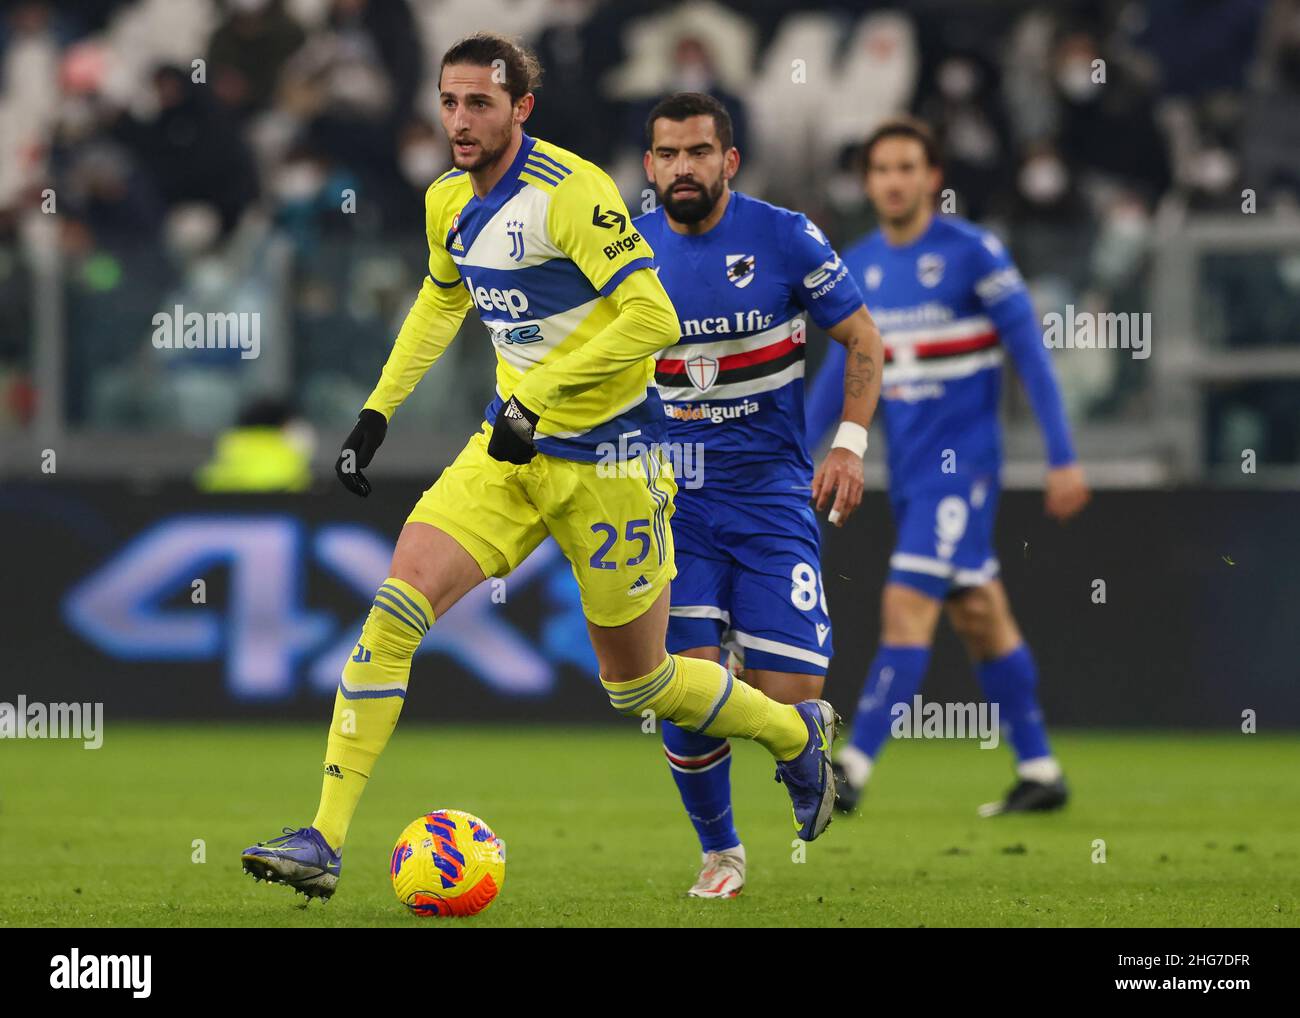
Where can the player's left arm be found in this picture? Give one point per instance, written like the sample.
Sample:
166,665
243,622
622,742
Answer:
840,474
827,290
590,224
1002,292
824,398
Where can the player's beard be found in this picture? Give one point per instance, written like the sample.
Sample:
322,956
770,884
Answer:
695,209
901,220
489,151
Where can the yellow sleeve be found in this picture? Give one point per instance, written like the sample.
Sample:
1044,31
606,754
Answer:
590,224
430,325
588,221
646,323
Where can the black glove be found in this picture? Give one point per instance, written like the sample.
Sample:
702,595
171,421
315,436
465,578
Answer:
359,449
512,435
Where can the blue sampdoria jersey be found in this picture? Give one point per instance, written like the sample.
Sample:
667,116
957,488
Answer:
734,382
947,305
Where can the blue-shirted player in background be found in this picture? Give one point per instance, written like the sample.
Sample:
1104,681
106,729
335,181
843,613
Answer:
743,276
949,302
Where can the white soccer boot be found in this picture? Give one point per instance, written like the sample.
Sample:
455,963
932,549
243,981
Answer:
722,876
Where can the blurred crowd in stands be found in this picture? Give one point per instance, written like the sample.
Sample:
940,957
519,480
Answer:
192,146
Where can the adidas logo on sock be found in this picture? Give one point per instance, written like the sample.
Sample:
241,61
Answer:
333,771
639,587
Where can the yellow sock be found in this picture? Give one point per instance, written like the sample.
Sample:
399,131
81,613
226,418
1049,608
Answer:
705,697
369,700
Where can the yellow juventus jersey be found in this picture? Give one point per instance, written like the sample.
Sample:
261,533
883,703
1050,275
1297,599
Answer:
550,259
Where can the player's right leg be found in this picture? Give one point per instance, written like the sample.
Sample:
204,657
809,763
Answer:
704,697
752,570
919,575
701,768
614,531
981,616
908,619
473,522
701,764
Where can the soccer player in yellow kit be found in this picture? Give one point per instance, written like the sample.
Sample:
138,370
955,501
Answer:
540,241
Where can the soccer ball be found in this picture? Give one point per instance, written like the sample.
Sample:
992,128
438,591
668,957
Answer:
448,863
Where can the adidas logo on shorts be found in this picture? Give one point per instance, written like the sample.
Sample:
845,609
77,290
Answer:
639,587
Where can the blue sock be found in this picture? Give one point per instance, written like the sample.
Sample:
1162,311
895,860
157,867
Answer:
1009,682
701,766
895,676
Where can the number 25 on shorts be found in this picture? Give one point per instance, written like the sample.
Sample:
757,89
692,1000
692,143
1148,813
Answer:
637,531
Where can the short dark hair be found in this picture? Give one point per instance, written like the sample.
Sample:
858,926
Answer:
902,127
483,49
684,105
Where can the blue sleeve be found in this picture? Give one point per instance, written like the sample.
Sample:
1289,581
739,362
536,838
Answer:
1002,293
819,280
824,400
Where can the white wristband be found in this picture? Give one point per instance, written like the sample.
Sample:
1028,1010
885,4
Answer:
851,436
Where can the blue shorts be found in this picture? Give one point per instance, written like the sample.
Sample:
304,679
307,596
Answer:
945,536
749,578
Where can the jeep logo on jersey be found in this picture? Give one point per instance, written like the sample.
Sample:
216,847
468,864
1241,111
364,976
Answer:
515,302
740,269
929,269
702,371
515,231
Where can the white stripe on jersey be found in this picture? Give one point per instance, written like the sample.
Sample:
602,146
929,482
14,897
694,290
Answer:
733,390
941,368
964,328
522,356
493,247
727,347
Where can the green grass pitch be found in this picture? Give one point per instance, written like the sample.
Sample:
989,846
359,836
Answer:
1199,830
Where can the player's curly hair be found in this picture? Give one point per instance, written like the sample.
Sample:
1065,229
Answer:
523,73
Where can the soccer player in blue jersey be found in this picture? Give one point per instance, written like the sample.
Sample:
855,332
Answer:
744,277
950,303
537,241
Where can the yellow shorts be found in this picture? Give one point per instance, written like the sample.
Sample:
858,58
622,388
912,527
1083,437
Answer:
610,520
